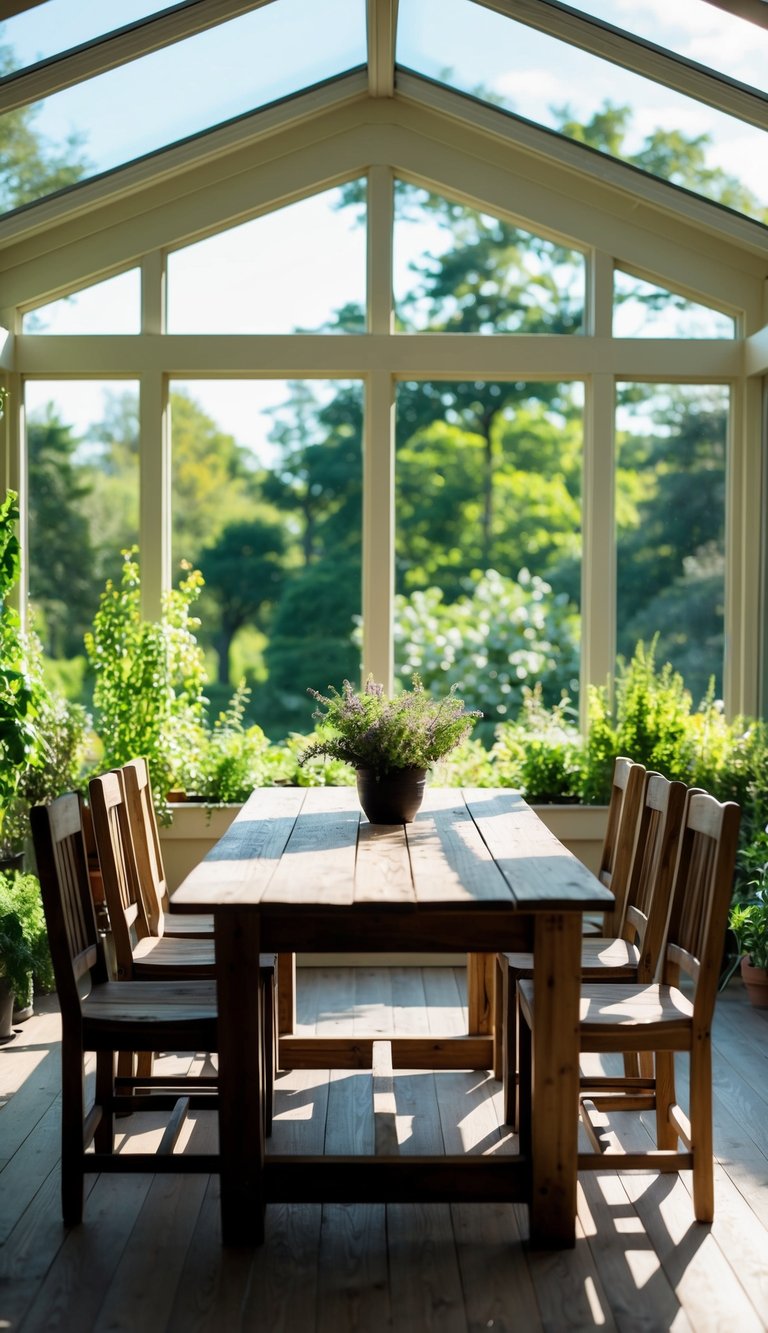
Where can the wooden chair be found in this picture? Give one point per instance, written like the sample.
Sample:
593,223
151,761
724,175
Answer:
618,845
661,1017
153,887
141,954
113,1017
633,954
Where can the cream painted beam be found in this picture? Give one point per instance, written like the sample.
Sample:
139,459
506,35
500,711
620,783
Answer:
756,353
434,356
641,57
598,570
418,143
379,530
114,49
381,201
381,16
744,544
80,201
154,495
599,312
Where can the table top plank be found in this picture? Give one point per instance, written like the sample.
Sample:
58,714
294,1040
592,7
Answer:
242,862
538,868
450,862
383,871
318,863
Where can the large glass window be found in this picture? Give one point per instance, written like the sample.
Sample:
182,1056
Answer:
670,506
457,270
301,268
488,504
644,310
113,306
83,459
587,98
267,502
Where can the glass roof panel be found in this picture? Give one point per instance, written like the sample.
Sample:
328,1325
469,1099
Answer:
696,30
194,84
57,25
587,98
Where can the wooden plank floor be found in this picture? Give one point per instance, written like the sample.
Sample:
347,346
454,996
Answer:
148,1255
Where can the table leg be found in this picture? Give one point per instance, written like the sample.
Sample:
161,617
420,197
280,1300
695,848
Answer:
286,994
555,1094
479,993
241,1066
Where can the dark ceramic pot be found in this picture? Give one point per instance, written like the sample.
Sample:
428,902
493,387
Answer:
393,798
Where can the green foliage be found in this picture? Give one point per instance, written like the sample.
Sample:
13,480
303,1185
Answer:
539,753
494,644
24,953
149,677
749,923
18,732
226,761
373,730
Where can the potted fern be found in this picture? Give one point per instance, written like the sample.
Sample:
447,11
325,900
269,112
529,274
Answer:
390,740
749,923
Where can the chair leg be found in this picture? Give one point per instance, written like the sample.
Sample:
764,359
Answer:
666,1134
701,1132
269,1047
510,1050
524,1083
72,1119
104,1135
498,1017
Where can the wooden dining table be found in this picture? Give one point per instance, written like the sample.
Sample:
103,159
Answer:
477,872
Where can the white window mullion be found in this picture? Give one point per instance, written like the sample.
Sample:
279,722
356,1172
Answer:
744,524
598,575
154,451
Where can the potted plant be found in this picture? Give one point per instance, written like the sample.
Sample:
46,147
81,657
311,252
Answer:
749,923
24,955
391,741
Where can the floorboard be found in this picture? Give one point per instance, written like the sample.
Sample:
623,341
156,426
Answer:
148,1256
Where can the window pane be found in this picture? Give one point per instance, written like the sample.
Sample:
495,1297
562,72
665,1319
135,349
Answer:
694,29
58,25
457,270
586,98
488,503
199,82
670,511
643,310
113,306
267,502
82,445
301,268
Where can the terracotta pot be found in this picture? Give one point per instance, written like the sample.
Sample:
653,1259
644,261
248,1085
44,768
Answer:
393,798
756,981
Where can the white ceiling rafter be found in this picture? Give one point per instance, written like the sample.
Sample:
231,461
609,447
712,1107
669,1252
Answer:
639,56
381,22
117,48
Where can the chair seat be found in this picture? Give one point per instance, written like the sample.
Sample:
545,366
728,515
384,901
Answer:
660,1013
190,957
198,925
115,1012
604,957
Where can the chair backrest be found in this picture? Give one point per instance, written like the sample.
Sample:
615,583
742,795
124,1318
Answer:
118,867
619,843
146,841
62,867
701,897
653,868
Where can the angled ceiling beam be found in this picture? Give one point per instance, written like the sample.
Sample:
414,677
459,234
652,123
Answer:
638,55
117,48
381,22
755,11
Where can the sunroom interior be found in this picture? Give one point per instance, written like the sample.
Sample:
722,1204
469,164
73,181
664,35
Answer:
450,309
232,157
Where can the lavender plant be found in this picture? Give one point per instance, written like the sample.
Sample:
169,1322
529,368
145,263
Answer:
370,729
